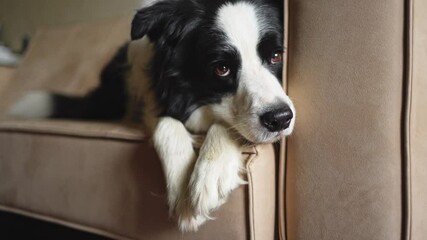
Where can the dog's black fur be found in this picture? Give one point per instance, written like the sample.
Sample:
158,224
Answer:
187,49
107,101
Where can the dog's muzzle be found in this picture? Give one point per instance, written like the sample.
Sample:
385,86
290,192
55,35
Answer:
278,119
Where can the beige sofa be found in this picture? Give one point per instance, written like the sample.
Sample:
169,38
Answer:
355,168
99,177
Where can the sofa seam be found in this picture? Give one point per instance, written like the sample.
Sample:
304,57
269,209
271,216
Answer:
407,119
71,135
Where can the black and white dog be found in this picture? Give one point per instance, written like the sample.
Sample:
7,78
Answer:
209,67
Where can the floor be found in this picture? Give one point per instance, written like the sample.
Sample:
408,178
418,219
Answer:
17,227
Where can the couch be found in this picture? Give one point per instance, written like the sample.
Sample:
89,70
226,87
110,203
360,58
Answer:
104,177
355,167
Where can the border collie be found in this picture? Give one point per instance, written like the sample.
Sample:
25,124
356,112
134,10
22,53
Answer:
209,67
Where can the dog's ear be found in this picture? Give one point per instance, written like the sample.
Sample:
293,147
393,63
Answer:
165,18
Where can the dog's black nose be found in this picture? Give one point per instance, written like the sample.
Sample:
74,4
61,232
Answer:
277,120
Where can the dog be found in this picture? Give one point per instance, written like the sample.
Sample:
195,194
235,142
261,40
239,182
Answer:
210,67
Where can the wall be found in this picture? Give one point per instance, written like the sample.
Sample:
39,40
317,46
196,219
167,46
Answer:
20,17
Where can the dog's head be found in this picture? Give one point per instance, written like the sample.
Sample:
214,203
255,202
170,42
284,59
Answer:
224,54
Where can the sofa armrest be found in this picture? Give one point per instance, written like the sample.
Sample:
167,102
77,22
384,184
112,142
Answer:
344,162
415,171
116,188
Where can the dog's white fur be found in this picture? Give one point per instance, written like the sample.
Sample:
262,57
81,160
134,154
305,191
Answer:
258,87
174,145
36,104
194,193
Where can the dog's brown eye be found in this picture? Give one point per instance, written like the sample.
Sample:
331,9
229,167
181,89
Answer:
222,71
276,57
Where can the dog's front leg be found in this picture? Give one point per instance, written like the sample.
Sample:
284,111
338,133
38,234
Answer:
216,173
174,146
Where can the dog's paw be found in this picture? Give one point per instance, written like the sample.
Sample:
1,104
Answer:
190,223
212,182
188,220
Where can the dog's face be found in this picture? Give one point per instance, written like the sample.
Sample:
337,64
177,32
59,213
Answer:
224,54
